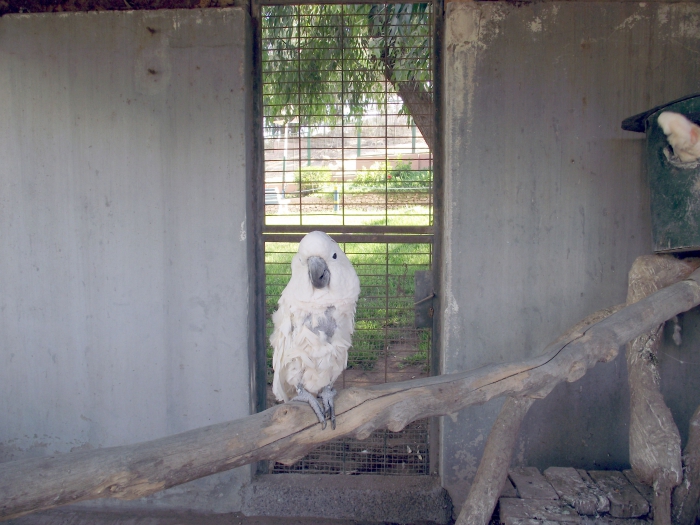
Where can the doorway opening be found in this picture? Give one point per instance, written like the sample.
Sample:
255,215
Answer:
348,117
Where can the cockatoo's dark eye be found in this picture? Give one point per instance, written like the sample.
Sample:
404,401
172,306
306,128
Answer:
335,255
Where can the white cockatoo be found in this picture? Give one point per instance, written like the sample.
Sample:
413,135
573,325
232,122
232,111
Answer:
682,135
313,325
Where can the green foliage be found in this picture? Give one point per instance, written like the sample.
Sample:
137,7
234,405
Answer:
313,178
323,63
361,359
399,176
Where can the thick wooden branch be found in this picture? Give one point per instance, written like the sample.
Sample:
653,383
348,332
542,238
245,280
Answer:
286,432
493,469
655,444
498,452
686,496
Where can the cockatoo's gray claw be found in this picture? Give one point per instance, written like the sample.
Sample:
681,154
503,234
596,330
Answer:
303,395
328,396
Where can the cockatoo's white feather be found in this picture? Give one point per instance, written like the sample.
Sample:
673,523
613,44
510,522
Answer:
682,135
313,326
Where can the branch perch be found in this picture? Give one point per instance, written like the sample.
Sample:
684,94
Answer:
655,444
286,432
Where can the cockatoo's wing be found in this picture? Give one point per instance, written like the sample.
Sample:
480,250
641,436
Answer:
682,135
282,342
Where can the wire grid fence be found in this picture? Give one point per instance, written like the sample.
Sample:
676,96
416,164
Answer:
347,136
386,347
343,146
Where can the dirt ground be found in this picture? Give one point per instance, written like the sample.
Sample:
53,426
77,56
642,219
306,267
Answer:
72,517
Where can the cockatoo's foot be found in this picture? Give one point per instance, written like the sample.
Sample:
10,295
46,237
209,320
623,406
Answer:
328,396
303,395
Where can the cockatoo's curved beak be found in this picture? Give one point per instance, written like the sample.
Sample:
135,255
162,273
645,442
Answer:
319,273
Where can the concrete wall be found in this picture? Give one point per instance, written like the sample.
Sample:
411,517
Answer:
124,140
547,204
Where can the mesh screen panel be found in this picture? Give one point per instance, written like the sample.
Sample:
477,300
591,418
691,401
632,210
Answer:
347,151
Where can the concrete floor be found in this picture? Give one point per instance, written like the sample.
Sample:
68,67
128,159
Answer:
83,517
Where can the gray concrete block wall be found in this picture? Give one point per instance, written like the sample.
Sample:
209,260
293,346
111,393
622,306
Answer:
547,203
124,279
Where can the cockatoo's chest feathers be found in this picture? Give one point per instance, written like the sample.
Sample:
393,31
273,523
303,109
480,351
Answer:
321,323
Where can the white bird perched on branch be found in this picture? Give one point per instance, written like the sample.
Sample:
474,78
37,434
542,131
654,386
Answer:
682,134
314,323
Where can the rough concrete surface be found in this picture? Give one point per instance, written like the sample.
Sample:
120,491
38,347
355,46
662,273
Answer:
546,205
123,168
69,517
395,499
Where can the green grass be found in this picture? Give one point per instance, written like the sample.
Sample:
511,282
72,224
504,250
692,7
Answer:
420,357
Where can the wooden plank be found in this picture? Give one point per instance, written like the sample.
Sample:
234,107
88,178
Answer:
625,500
514,509
603,503
607,520
509,490
572,489
531,484
645,490
527,521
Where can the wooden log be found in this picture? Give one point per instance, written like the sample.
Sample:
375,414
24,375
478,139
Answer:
686,496
492,473
287,432
655,444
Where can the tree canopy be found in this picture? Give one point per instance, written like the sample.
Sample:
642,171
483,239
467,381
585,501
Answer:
323,64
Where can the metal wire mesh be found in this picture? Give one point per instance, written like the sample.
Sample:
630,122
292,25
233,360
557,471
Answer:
347,149
342,144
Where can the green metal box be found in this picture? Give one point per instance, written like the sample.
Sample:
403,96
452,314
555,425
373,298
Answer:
674,185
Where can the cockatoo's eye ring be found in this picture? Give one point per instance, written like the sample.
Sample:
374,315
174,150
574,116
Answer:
335,255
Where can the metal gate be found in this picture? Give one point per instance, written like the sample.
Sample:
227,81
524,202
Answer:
348,125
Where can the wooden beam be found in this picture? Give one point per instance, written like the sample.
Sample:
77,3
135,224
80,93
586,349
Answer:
493,469
655,444
287,432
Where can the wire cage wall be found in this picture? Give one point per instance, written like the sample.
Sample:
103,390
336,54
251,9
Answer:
348,119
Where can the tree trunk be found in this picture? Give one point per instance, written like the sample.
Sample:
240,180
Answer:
686,496
655,444
287,432
420,105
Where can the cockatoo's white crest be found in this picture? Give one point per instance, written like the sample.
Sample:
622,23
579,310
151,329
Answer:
315,319
682,135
